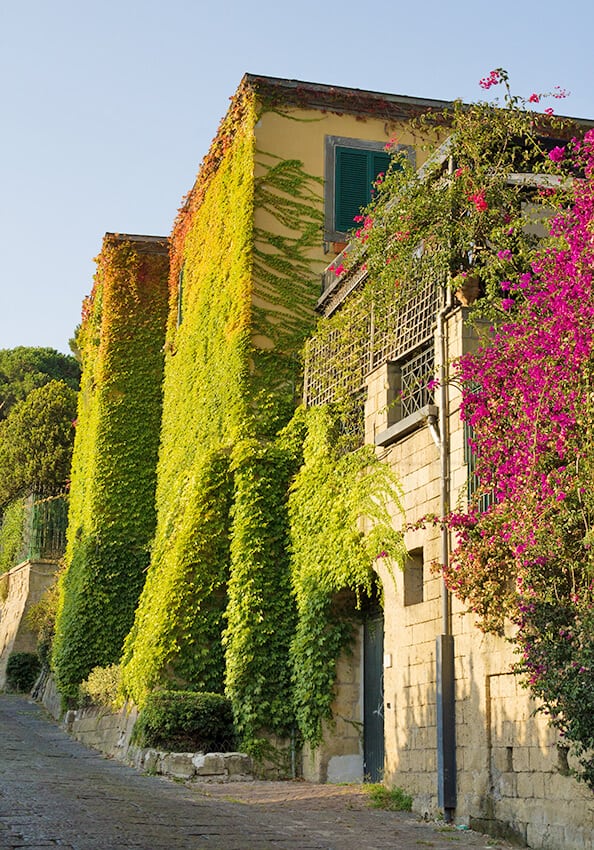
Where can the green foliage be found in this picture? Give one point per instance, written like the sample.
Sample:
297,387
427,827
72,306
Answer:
36,440
98,591
102,687
175,639
557,650
22,669
390,799
185,721
340,511
41,619
24,369
243,296
261,610
11,534
112,515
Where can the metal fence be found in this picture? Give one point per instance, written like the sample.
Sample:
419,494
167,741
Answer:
42,533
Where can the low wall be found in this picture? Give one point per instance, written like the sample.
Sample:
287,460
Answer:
25,584
111,732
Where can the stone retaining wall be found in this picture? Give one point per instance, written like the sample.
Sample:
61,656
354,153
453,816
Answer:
24,585
110,733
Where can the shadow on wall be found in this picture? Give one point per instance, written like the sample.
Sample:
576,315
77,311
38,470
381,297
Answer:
513,776
23,585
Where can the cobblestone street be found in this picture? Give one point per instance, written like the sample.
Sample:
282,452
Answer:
56,793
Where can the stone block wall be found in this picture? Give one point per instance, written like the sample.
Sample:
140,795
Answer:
340,757
512,775
24,585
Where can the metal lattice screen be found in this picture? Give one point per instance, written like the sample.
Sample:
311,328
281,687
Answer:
338,362
44,532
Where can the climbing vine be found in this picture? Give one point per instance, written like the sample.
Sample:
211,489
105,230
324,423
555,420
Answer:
111,518
243,272
261,611
342,509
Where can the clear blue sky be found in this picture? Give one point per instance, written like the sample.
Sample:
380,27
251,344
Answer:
108,107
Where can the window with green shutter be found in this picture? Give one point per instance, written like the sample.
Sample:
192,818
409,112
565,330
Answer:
352,167
356,171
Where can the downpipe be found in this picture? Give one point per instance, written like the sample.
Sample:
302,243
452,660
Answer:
444,649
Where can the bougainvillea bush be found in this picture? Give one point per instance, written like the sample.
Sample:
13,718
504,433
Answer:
528,399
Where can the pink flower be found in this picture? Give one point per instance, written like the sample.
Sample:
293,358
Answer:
557,154
505,254
507,303
478,199
534,98
338,270
549,110
493,79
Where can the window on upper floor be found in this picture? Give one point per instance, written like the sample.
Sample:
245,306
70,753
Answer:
352,167
413,578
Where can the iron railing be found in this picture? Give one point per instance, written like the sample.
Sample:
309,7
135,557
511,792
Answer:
43,532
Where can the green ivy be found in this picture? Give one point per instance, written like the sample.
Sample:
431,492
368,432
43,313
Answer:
340,511
261,613
176,635
11,534
112,517
242,299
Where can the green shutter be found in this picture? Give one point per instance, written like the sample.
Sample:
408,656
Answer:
379,164
351,186
356,171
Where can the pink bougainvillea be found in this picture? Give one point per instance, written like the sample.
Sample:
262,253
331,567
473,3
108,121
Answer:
528,398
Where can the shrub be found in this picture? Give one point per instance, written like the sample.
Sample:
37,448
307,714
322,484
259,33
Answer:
391,799
185,721
22,670
102,687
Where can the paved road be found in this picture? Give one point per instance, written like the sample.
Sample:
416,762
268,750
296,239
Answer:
54,792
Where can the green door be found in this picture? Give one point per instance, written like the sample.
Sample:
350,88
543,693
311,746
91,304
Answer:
373,698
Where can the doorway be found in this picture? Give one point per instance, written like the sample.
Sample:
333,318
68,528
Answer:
373,697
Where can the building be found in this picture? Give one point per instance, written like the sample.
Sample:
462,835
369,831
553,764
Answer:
424,701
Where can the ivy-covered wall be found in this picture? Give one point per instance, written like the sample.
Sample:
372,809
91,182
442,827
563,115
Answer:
112,515
219,607
243,283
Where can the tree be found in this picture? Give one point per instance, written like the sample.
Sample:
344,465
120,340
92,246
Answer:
36,440
23,369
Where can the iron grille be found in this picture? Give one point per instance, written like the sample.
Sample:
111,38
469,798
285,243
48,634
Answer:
475,494
44,532
415,374
337,364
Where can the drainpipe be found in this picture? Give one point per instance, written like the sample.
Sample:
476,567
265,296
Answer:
444,649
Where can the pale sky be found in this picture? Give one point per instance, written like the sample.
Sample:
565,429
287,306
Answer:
108,107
